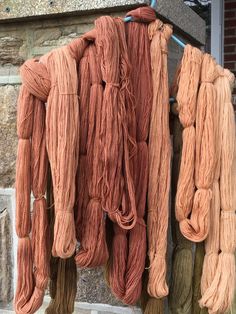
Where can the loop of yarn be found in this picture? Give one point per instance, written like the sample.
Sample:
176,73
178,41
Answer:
212,244
196,227
127,260
143,15
33,252
112,129
181,292
159,162
187,101
63,144
93,249
218,296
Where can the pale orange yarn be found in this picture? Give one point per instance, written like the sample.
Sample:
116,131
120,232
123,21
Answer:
189,77
159,160
196,227
219,296
212,243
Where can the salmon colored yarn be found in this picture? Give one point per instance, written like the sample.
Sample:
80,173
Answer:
93,249
34,134
218,297
31,171
196,227
159,148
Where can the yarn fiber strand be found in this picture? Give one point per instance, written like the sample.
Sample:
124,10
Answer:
159,161
218,297
196,227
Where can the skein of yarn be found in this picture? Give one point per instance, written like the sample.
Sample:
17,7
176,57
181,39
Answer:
196,227
197,274
32,253
180,297
187,102
93,251
159,161
37,89
212,242
186,86
129,248
219,295
112,129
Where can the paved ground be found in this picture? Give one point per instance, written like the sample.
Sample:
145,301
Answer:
87,308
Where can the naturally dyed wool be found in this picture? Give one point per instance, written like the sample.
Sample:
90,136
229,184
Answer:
218,297
180,297
90,219
127,264
196,227
187,103
63,272
31,171
212,242
159,162
41,85
197,274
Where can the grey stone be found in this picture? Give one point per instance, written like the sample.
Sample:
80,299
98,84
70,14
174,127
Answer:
8,138
92,287
186,20
10,50
175,11
25,8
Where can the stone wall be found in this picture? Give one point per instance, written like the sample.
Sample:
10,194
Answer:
18,42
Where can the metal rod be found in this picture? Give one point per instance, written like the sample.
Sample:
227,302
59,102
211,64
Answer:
178,41
153,3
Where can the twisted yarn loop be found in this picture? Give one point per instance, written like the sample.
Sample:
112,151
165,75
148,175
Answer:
159,161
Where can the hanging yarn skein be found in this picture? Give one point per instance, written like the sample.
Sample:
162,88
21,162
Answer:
37,89
31,170
93,251
196,227
212,242
219,296
187,103
180,296
112,130
159,161
129,249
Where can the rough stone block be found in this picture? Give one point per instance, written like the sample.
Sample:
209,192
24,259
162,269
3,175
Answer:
10,50
92,287
8,138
